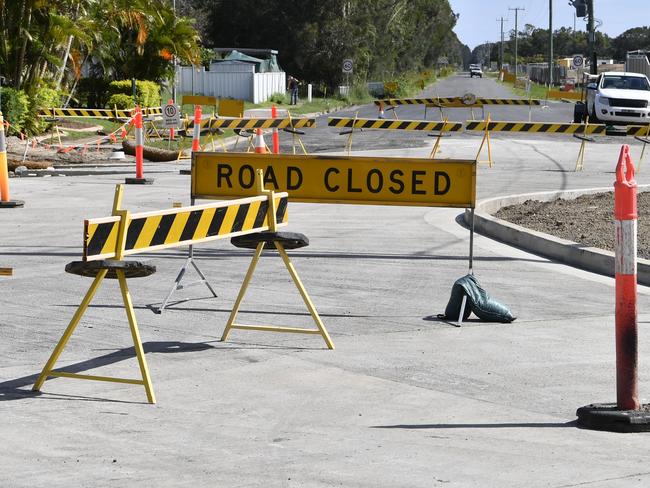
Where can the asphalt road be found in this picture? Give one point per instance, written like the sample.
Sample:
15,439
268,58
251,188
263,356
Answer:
324,138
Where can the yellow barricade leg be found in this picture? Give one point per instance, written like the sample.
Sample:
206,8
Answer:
242,291
47,369
305,295
135,334
486,140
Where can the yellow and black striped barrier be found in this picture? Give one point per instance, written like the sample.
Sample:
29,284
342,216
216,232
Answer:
414,125
250,123
541,127
97,113
638,130
180,226
450,102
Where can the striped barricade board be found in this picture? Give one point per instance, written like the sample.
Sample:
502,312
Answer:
451,102
249,123
638,130
542,127
417,125
97,113
183,226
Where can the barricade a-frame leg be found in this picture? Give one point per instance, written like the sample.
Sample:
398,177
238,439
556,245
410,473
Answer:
231,324
101,270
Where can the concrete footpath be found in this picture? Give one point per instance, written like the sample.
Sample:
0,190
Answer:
405,400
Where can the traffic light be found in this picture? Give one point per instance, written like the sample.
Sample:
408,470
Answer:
581,7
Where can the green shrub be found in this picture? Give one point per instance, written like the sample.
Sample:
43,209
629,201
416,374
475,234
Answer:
43,97
279,98
15,107
147,93
92,92
120,101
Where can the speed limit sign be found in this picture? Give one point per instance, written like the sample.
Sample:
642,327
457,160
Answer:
171,116
347,66
578,61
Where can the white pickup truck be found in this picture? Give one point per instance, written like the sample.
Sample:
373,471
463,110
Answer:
619,98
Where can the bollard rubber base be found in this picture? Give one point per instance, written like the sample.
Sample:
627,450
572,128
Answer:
185,172
138,181
606,416
12,204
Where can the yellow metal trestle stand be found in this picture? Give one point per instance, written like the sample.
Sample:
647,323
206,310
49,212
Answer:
486,140
281,241
108,268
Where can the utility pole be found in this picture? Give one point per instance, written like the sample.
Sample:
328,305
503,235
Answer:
591,32
550,43
516,9
501,46
174,61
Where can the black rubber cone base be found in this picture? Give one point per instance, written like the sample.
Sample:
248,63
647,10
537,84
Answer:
12,204
138,181
606,416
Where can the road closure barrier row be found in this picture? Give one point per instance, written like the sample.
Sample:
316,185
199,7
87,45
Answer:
414,125
464,101
549,128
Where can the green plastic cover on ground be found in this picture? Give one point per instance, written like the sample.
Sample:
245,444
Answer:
478,301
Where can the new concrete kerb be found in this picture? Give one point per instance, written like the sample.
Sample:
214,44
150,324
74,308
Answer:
562,250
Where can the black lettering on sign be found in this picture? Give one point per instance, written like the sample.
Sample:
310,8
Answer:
269,177
351,189
291,172
380,181
246,172
437,189
331,188
224,171
394,179
415,181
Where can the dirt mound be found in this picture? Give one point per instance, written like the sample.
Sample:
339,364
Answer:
587,220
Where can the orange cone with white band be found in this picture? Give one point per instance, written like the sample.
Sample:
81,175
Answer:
260,147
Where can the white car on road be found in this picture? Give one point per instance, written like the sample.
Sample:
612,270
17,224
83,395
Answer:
622,98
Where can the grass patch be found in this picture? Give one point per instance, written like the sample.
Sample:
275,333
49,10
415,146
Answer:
537,91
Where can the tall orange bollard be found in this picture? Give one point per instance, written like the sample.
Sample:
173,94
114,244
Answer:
276,137
139,153
5,198
196,139
625,213
627,414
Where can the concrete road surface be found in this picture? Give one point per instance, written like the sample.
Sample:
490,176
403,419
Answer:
405,399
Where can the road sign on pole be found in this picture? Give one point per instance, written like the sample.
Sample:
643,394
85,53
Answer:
171,117
347,66
578,61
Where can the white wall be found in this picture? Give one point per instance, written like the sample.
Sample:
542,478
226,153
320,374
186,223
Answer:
241,85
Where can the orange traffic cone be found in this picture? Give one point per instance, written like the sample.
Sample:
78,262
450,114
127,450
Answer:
260,147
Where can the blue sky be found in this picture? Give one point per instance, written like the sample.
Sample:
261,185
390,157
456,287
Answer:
478,18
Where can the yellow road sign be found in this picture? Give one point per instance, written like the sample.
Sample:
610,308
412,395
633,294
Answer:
338,179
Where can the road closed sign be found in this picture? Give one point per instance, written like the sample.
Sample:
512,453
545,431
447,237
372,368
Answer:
338,179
